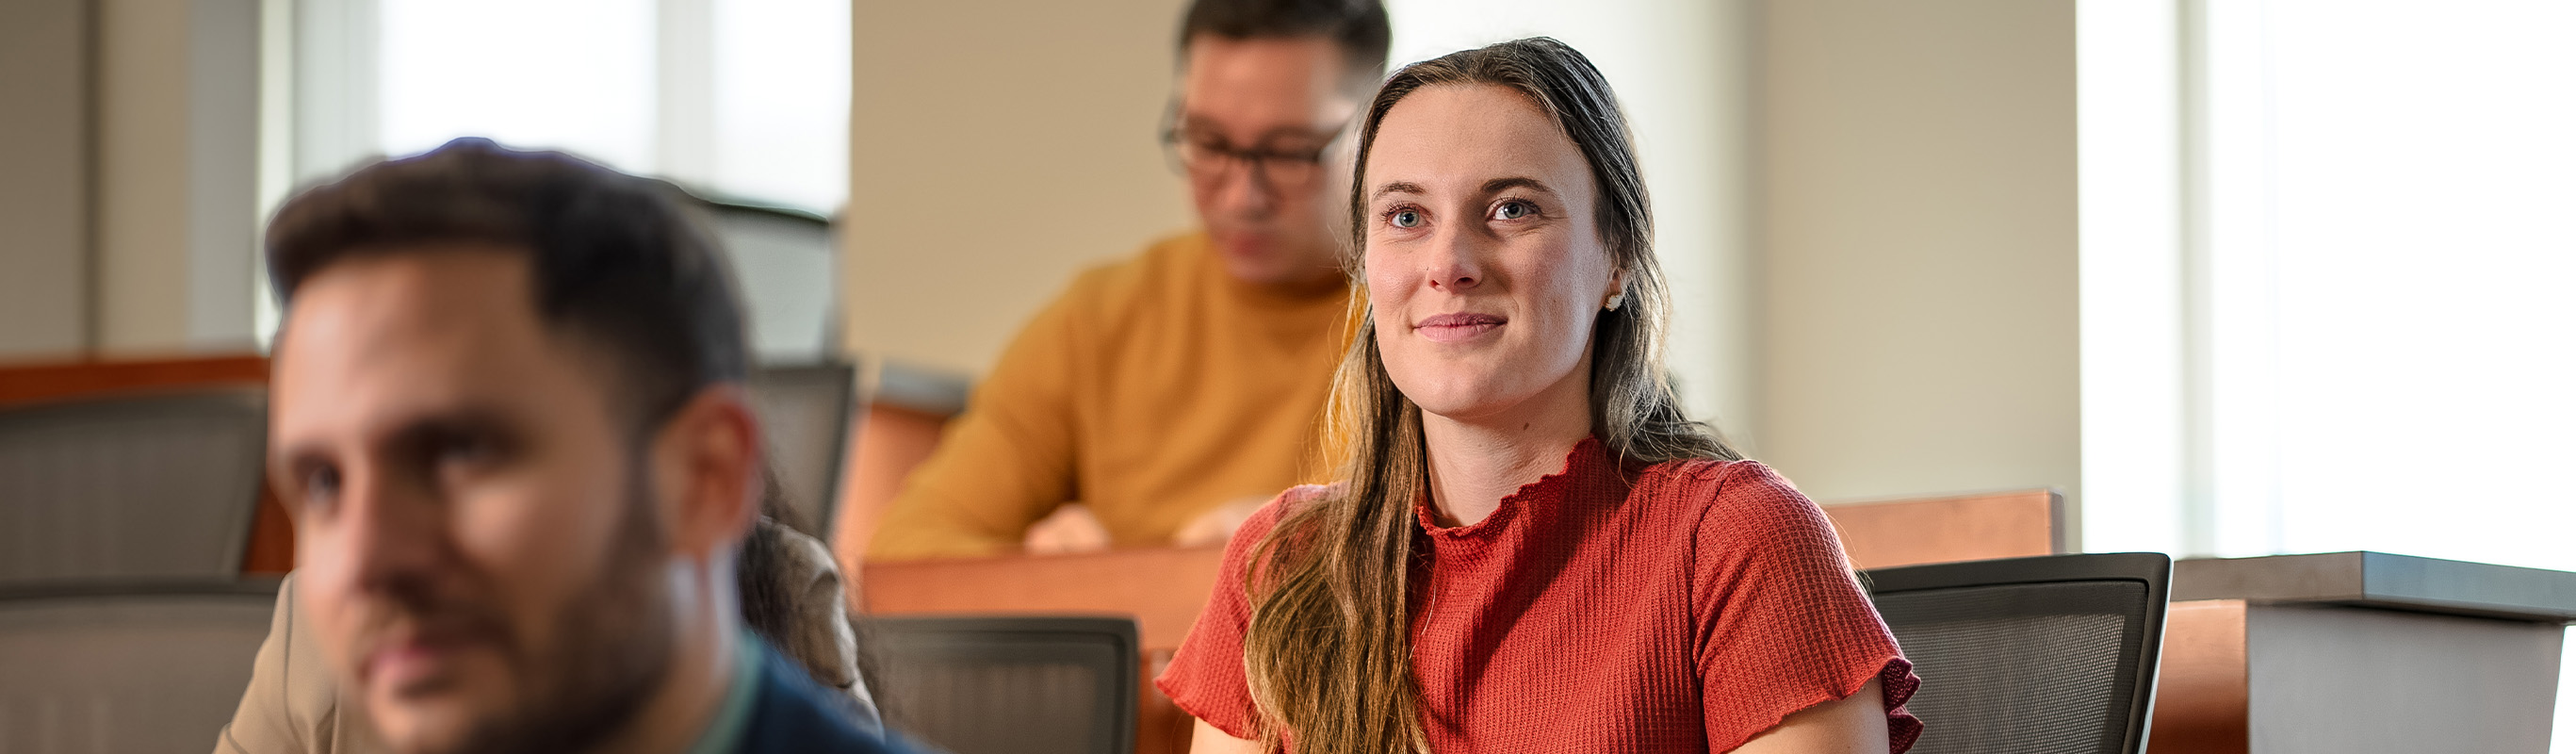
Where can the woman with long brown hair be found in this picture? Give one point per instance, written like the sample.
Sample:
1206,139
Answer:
1530,548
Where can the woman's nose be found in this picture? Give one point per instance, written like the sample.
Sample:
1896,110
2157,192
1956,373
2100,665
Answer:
1455,263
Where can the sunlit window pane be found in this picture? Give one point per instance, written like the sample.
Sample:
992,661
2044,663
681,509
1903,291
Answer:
576,75
2426,276
782,90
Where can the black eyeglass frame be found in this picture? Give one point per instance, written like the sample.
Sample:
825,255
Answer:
1254,159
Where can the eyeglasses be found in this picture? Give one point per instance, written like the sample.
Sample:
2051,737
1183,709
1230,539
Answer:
1282,162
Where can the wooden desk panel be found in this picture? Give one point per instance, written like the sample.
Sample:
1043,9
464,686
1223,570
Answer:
2201,690
1162,588
888,442
1950,529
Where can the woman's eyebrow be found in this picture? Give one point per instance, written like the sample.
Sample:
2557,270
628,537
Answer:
1395,187
1497,185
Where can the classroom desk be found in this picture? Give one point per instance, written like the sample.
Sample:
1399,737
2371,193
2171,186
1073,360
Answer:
2360,652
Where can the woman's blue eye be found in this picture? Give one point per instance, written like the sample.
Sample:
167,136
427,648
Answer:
1405,218
1512,211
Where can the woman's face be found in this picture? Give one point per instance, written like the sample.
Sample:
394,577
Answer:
1485,268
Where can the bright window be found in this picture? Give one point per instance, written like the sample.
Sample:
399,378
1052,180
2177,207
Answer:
576,75
2408,175
2357,329
747,98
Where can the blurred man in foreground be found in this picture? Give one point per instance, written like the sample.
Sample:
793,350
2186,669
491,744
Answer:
1168,395
508,412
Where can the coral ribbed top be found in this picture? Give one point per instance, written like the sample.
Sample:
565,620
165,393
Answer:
1690,611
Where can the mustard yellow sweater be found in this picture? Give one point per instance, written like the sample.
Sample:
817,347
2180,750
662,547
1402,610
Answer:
1152,390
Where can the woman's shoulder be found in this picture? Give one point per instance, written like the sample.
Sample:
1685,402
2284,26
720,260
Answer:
1267,517
1716,478
1742,497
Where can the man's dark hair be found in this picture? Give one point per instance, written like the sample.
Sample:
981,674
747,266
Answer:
1358,26
614,260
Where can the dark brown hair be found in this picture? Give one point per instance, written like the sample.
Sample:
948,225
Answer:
1326,654
1359,27
614,260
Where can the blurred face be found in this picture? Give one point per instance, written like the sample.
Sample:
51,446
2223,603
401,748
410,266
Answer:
1485,269
1255,119
475,544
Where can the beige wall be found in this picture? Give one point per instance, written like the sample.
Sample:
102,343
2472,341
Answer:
44,177
177,103
1918,224
143,187
997,146
1910,295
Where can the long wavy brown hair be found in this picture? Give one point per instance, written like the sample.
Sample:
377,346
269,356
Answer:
1327,653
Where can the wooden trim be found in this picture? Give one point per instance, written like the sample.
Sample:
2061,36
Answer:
30,383
885,446
1946,529
2201,690
1163,588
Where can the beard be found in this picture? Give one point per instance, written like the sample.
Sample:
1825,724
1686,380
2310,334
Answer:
613,651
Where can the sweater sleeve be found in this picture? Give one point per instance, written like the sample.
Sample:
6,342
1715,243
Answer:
288,706
1782,624
1004,463
1206,677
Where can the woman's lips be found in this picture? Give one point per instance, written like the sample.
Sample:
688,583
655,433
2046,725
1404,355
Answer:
1453,328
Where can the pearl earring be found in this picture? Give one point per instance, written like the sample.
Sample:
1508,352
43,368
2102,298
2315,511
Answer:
1614,302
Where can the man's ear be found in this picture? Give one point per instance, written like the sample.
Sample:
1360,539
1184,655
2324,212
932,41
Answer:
708,462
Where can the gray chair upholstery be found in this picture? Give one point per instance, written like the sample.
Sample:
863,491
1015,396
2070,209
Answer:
131,487
806,413
1033,685
127,668
2045,655
787,264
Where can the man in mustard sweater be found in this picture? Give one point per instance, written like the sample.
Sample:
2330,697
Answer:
1163,397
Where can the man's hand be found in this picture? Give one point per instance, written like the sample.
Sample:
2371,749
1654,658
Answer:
1218,524
1069,530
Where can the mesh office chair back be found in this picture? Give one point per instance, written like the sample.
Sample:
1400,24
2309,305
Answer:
990,685
119,668
805,414
2045,655
130,487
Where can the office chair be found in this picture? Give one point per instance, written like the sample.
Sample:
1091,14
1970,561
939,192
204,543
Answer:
805,415
130,487
988,685
787,264
127,666
2046,655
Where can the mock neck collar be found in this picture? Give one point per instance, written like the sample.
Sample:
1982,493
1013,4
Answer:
1586,465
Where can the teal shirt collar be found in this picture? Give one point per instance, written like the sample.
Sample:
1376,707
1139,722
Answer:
723,735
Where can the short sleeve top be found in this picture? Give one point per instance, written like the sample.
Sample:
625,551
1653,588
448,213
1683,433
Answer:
1687,606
